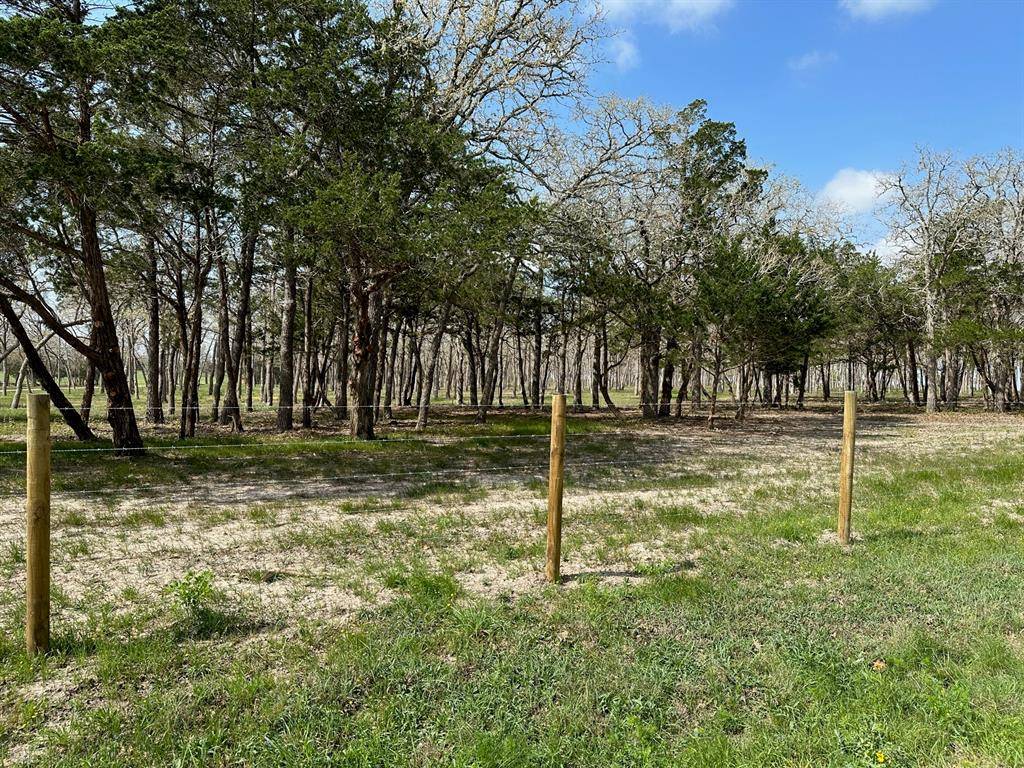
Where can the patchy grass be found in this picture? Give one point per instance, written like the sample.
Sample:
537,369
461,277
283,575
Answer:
512,442
707,617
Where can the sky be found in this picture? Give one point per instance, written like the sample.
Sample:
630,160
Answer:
831,92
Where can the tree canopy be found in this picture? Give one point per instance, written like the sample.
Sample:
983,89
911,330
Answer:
343,204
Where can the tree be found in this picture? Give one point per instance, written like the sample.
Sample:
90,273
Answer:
64,177
931,213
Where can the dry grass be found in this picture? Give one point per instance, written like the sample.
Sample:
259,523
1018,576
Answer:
316,546
307,548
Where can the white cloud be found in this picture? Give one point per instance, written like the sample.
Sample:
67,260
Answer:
625,53
677,15
890,248
854,191
812,60
873,10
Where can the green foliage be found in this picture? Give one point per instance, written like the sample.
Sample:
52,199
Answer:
200,606
877,311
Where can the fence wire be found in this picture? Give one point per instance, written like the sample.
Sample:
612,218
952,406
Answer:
245,456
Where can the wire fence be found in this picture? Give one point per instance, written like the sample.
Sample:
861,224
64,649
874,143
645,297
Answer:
141,407
305,443
389,417
250,477
527,470
659,449
468,456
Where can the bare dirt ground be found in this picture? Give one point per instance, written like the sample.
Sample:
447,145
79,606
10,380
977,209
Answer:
324,547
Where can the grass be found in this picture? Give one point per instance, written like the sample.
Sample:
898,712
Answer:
741,635
231,460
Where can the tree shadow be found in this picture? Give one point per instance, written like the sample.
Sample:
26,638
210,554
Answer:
631,573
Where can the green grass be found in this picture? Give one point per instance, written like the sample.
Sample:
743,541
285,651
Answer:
750,639
453,442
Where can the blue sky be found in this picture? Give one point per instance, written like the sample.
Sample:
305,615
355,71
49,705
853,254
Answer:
820,86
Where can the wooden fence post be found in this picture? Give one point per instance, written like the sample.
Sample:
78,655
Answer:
846,465
37,508
556,481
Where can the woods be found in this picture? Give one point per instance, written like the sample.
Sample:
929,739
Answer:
312,314
348,208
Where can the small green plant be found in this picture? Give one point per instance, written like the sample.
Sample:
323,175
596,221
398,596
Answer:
199,603
193,590
77,548
75,518
261,514
14,558
420,583
138,518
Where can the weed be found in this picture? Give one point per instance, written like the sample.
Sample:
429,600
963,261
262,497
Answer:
199,604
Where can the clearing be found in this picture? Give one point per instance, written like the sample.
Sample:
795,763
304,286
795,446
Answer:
306,600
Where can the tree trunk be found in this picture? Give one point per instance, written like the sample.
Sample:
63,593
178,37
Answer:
604,368
235,343
389,384
414,395
267,379
380,366
19,384
667,377
109,363
912,364
366,309
650,366
683,393
341,369
154,405
308,344
930,355
191,336
577,385
801,383
219,355
409,366
538,343
471,372
428,376
88,389
716,375
490,374
249,369
1000,378
285,399
39,369
521,369
743,391
954,377
696,369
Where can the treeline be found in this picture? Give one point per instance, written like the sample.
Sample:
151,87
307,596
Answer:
328,205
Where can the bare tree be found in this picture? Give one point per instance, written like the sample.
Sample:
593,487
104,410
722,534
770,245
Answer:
931,212
998,184
501,66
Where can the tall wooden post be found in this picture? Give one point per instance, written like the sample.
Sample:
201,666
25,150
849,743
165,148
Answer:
556,481
846,465
37,508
